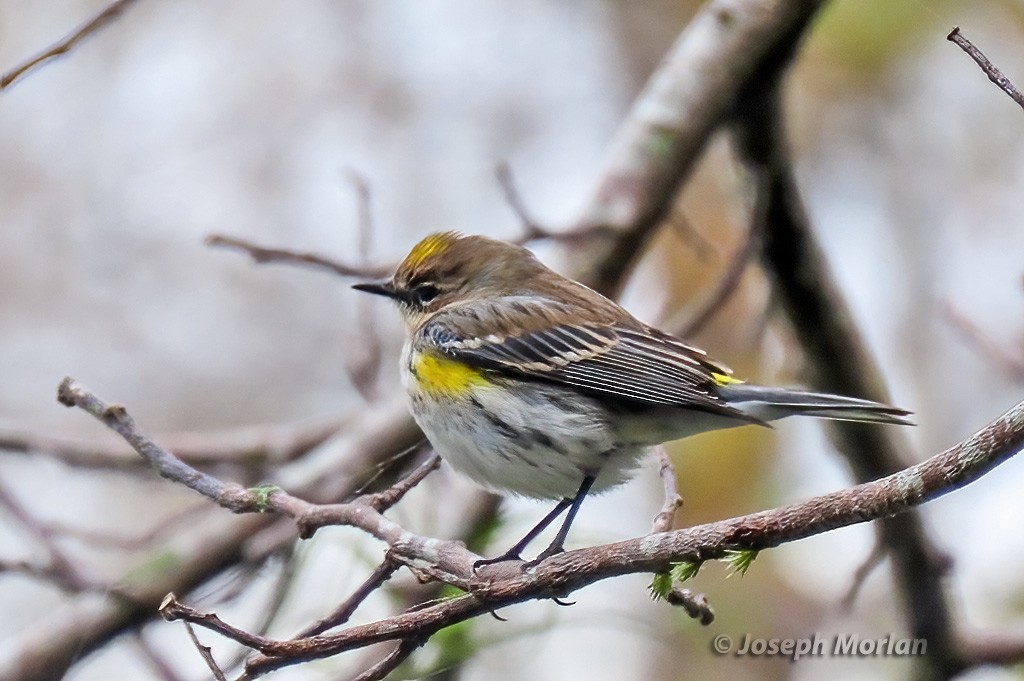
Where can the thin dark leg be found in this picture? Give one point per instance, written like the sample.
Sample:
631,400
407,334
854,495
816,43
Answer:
555,546
514,552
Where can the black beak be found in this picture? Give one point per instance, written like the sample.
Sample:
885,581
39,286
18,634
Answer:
381,288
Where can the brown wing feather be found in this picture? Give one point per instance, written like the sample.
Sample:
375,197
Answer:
627,361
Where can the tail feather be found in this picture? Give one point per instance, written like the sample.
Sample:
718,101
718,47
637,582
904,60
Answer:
770,404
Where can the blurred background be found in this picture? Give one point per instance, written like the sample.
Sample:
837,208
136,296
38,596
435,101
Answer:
247,118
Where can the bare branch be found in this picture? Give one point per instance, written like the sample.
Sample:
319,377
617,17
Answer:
363,361
504,584
685,100
252,446
391,661
861,575
727,285
61,569
1010,363
343,612
65,45
994,74
816,309
204,652
663,520
263,254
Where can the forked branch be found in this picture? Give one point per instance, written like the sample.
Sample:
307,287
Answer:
505,584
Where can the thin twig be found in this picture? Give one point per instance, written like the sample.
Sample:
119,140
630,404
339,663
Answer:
173,610
363,362
663,520
343,612
532,229
391,661
265,254
987,346
204,652
727,285
382,501
61,569
152,656
861,575
695,604
507,182
993,73
255,447
65,45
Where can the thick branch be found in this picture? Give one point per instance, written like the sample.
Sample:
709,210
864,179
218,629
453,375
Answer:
505,584
690,94
823,324
45,650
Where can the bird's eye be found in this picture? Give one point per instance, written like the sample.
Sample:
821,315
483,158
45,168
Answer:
425,293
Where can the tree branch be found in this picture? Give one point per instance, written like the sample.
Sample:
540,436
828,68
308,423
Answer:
993,73
266,254
65,45
690,94
805,286
505,584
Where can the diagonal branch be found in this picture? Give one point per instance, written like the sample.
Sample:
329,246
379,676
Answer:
690,94
816,309
993,73
266,254
63,46
507,583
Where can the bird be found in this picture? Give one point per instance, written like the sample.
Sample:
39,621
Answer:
533,384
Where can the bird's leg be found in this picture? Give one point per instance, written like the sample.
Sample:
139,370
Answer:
514,552
555,547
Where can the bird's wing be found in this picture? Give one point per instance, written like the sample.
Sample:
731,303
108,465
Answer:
627,362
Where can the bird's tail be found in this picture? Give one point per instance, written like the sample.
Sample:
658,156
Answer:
769,404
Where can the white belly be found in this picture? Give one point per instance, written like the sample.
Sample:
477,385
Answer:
538,442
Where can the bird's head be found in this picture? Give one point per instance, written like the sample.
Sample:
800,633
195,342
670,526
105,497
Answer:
447,268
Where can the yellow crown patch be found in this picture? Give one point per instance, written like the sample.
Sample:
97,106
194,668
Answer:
430,246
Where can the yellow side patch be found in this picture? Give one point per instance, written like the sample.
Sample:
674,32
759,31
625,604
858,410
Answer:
442,376
723,379
430,246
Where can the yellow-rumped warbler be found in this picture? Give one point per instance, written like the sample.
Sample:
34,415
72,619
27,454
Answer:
532,383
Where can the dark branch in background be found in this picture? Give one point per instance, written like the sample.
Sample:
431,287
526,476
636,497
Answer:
59,569
727,285
685,100
804,285
994,74
66,44
506,584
